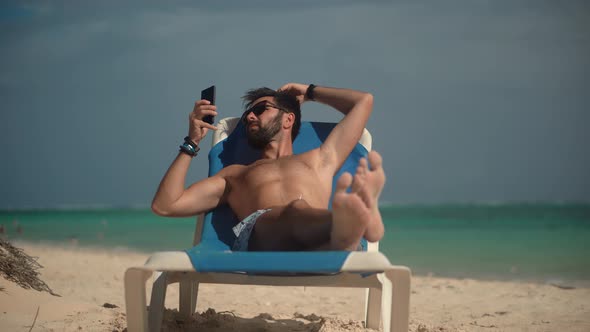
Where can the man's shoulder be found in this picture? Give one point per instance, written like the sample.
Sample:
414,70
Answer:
311,154
312,157
231,170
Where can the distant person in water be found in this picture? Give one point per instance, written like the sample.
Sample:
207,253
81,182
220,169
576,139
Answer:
282,199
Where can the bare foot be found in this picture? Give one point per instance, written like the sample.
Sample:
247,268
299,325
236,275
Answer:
368,184
356,214
350,216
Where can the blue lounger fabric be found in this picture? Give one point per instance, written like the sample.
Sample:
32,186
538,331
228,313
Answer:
214,253
268,262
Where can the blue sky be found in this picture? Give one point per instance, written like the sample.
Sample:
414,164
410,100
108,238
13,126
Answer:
475,101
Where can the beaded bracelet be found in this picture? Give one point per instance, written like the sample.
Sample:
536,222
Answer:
188,140
189,147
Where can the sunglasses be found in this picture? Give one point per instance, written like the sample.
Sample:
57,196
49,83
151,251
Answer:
259,109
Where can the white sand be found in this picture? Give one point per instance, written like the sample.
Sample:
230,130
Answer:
87,279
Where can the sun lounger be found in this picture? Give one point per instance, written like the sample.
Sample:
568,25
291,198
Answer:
211,261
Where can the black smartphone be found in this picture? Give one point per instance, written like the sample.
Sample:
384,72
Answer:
209,94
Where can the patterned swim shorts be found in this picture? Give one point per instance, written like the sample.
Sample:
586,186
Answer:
243,230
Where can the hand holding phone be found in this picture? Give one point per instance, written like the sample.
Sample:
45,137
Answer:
209,94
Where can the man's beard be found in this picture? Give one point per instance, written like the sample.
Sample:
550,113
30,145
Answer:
260,139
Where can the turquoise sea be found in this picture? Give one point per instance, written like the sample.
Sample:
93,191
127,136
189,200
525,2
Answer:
547,243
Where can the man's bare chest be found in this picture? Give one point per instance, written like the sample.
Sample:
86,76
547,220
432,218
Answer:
287,170
268,183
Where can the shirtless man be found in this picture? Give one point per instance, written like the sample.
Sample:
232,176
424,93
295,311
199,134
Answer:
282,199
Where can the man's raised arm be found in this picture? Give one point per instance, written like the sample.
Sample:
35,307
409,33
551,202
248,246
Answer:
356,107
172,199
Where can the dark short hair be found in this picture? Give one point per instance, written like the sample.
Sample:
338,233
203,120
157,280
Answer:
283,100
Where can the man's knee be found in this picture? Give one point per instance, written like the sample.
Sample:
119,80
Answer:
296,206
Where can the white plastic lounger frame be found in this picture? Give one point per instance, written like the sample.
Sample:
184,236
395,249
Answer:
387,299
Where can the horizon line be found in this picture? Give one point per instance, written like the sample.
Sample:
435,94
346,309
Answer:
100,207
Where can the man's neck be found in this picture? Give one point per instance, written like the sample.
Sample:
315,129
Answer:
277,149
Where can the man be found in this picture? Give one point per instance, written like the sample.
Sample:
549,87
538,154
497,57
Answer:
282,198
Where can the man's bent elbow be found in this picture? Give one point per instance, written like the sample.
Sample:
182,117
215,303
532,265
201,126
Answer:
368,100
159,210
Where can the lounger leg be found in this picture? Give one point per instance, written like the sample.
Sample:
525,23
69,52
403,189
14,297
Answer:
188,297
373,308
156,310
135,302
396,300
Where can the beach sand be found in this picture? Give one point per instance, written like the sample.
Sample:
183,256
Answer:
87,279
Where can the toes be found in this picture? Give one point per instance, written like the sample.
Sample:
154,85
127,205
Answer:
344,182
375,160
359,182
361,172
366,196
363,165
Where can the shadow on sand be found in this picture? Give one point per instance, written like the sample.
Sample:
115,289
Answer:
212,321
